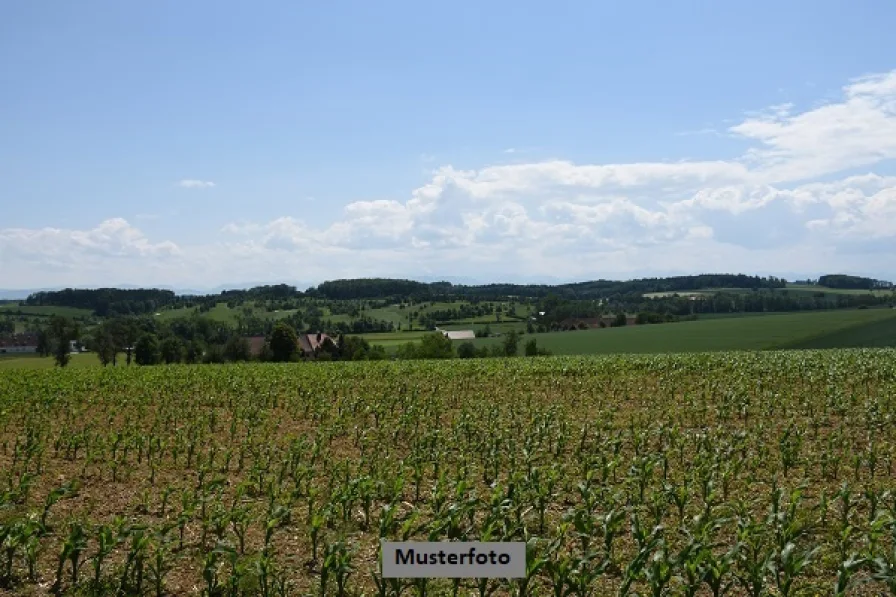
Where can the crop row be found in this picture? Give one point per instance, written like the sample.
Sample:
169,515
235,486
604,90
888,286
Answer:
727,474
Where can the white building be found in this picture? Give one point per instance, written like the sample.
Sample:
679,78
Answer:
459,334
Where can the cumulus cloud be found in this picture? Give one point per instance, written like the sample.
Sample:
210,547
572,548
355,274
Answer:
792,202
195,184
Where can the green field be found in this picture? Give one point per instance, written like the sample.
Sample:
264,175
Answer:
389,339
221,312
767,474
33,361
10,308
730,333
876,334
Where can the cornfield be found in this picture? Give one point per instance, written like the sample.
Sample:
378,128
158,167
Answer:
727,474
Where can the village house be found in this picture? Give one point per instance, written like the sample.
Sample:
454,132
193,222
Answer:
18,343
256,345
311,344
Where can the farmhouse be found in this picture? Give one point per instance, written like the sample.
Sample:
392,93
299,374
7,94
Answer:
256,345
591,322
458,334
18,343
310,344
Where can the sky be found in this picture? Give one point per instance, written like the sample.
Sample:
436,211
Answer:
199,144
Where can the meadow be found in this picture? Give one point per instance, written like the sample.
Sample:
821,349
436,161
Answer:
698,474
752,332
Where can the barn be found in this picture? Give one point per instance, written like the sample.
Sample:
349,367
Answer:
18,343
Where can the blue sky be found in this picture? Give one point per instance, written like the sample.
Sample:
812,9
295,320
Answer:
205,143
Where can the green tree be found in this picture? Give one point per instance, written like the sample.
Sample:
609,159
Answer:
146,350
62,331
353,348
237,349
44,343
284,342
193,352
620,320
125,332
172,350
466,350
435,346
214,354
103,344
511,343
531,348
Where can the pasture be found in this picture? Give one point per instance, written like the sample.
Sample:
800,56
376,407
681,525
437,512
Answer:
713,334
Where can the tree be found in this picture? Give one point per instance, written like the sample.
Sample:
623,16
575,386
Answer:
435,346
44,343
284,342
237,349
620,320
531,348
62,331
172,350
353,348
511,343
214,354
466,350
124,331
376,353
146,350
193,352
103,344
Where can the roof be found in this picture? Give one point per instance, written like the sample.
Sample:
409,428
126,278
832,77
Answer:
26,339
460,335
309,343
256,344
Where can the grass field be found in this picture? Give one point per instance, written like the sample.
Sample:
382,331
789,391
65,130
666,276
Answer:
647,475
44,311
393,338
728,333
33,361
876,334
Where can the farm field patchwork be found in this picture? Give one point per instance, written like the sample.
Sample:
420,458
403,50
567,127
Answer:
721,333
697,474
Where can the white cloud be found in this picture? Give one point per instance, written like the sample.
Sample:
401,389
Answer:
857,131
195,184
791,203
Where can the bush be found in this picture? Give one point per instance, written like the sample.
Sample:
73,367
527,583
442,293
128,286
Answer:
146,351
284,343
214,354
466,350
172,350
237,349
531,348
